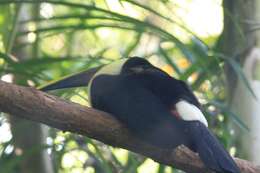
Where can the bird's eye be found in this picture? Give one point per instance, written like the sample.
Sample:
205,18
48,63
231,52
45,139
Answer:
137,69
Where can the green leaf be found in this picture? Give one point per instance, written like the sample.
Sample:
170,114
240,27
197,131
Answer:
239,71
234,117
132,45
164,54
138,25
7,58
5,24
237,68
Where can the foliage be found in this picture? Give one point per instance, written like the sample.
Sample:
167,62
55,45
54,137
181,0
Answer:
69,36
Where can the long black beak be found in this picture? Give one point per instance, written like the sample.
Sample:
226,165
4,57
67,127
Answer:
75,80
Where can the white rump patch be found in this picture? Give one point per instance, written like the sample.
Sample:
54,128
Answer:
190,112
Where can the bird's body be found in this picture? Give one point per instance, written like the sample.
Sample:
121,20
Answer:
141,100
158,109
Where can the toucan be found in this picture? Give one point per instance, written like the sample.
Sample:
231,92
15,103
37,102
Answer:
155,107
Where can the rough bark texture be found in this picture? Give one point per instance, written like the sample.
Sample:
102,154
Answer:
37,106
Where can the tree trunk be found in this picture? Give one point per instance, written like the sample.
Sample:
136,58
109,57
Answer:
29,137
248,109
239,42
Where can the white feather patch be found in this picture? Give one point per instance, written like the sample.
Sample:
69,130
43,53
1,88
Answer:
190,112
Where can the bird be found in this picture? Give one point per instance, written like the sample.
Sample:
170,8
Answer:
154,106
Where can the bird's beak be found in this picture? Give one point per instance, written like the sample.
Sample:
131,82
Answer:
75,80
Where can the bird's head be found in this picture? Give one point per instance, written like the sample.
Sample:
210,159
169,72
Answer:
136,64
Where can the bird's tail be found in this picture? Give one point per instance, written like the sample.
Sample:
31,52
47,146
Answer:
211,152
75,80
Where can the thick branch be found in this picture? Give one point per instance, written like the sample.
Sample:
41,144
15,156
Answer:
41,107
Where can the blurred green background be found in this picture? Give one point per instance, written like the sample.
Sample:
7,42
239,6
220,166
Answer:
199,41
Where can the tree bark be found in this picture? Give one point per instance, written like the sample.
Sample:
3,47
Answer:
37,106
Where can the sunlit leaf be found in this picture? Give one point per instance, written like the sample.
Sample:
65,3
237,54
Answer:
234,117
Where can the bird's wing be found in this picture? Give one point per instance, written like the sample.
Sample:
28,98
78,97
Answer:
165,87
173,93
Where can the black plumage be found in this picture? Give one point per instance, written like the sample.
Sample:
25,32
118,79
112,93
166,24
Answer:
143,97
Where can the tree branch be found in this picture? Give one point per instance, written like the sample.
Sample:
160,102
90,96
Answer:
37,106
